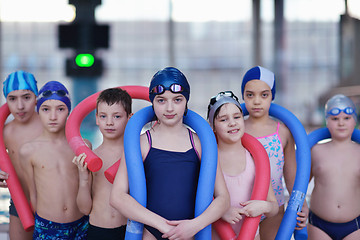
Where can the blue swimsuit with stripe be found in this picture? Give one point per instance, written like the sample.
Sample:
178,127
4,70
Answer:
171,182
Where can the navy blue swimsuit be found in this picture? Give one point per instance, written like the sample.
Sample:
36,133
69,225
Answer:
171,182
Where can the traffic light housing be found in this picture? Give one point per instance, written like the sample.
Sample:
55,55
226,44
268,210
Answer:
84,36
84,65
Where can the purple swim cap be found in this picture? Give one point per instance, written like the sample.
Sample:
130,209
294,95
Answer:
54,90
262,74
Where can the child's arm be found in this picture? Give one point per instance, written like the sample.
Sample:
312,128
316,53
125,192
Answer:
83,199
121,200
185,229
25,154
254,208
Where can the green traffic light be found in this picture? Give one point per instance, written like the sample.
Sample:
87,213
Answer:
84,60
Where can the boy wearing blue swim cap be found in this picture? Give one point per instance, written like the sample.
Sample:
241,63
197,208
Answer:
335,166
171,154
51,176
20,91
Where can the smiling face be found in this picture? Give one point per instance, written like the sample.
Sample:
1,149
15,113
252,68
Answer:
111,119
21,104
257,97
169,107
229,123
53,115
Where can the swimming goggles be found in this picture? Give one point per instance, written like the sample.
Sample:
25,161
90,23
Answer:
337,111
216,98
174,88
49,93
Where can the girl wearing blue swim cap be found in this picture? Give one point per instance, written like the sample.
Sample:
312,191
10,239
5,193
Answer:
171,154
258,90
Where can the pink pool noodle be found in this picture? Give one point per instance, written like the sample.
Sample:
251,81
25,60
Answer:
17,194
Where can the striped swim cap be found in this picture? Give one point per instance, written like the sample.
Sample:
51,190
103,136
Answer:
20,80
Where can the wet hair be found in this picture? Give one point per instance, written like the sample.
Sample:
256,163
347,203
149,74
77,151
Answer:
115,96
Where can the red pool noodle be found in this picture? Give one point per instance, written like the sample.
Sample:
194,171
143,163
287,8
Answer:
110,173
260,191
17,194
72,129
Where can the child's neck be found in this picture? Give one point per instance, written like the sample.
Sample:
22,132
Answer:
227,147
60,135
341,141
116,142
170,129
258,120
35,117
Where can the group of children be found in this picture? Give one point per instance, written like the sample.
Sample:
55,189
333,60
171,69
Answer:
70,202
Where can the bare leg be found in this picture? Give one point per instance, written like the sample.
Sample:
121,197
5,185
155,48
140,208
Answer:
147,235
270,226
16,230
353,236
315,233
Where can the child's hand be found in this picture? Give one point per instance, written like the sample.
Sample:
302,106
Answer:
80,162
301,220
233,215
3,177
183,229
254,208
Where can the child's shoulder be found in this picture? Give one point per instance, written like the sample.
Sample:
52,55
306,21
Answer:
32,147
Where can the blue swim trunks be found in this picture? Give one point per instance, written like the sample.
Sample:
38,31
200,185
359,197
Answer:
49,230
336,231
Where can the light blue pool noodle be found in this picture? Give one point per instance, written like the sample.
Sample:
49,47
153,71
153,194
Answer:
136,173
303,162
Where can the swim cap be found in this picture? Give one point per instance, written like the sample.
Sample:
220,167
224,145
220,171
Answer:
217,101
340,103
262,74
169,78
20,80
54,90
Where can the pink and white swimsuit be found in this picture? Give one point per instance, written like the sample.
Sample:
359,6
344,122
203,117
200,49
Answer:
273,146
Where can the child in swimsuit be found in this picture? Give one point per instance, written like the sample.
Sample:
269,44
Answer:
52,178
113,110
226,119
335,166
20,90
171,155
258,91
